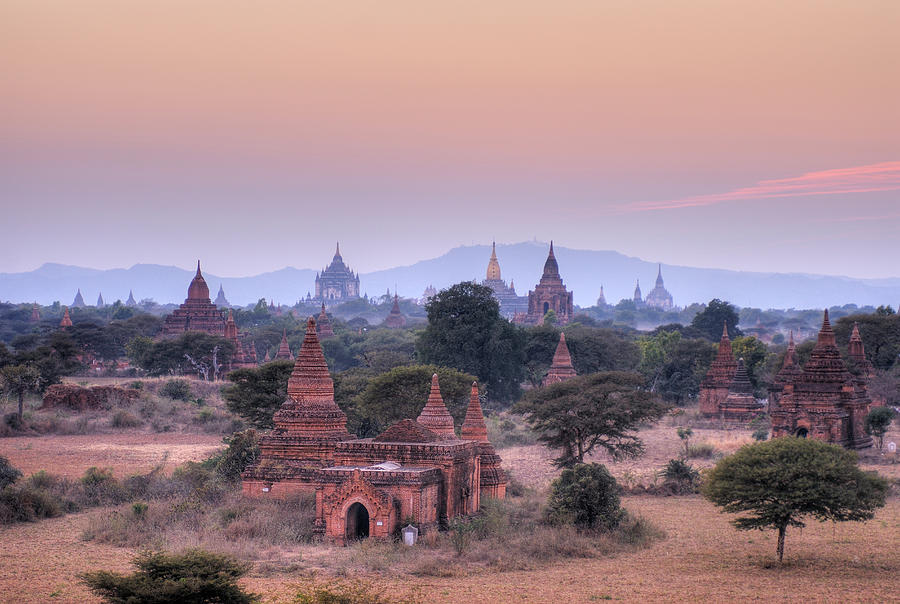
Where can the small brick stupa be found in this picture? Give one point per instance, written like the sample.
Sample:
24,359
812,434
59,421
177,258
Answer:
35,313
197,313
825,401
240,358
860,365
66,319
786,375
740,404
549,294
395,319
715,386
284,350
368,487
561,369
323,325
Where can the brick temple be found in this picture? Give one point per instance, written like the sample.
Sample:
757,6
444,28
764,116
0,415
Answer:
395,318
415,469
336,282
740,404
323,325
561,369
197,313
717,383
510,302
549,294
824,400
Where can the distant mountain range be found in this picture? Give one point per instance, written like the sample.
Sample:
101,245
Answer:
582,270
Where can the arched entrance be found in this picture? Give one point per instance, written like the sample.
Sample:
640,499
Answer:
801,433
546,307
357,522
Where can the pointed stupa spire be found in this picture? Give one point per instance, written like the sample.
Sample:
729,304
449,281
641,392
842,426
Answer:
789,369
561,369
741,382
310,383
725,352
857,353
337,252
659,279
551,266
473,427
66,320
131,301
267,357
198,289
826,334
323,325
284,350
35,313
637,291
493,268
434,415
100,302
78,302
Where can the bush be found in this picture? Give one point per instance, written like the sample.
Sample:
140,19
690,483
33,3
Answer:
13,421
101,488
761,434
191,576
877,423
136,385
586,496
242,451
124,419
680,477
346,593
700,451
179,390
27,504
8,474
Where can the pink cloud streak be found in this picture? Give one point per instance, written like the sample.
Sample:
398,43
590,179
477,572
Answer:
884,176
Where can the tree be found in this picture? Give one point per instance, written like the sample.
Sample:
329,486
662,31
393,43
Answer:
599,410
402,393
8,474
587,496
783,480
18,380
877,423
191,576
465,331
710,320
257,393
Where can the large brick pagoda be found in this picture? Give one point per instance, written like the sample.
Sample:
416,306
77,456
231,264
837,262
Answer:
549,294
197,313
823,401
416,469
337,283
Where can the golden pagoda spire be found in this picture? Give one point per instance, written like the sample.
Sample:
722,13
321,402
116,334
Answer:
493,269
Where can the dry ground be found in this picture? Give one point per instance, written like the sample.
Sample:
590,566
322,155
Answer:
702,557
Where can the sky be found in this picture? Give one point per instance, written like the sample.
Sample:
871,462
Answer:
757,135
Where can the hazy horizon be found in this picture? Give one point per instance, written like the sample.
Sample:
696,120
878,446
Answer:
760,138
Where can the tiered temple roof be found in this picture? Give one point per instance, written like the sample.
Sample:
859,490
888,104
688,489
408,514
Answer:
79,300
35,313
549,294
284,350
100,302
434,415
130,301
395,319
493,478
717,382
859,363
825,401
337,282
197,313
740,404
561,369
637,298
66,319
323,325
510,302
659,297
221,300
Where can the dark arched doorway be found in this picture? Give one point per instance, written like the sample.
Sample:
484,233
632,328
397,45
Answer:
546,307
357,522
802,433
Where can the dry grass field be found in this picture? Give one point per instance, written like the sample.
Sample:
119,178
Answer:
701,557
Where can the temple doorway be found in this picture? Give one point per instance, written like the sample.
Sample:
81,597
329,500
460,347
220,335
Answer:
357,522
802,433
546,307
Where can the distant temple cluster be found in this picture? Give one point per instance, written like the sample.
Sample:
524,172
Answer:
336,282
416,470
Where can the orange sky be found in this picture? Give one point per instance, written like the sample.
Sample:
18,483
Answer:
609,102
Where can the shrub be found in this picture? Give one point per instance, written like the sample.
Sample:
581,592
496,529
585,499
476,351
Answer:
680,477
700,451
179,390
13,421
136,385
124,419
877,423
586,496
242,451
101,487
27,504
761,434
346,593
191,576
8,474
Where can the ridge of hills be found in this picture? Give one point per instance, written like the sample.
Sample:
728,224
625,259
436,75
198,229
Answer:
583,272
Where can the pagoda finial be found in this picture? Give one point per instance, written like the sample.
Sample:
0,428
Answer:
473,427
725,330
198,267
434,415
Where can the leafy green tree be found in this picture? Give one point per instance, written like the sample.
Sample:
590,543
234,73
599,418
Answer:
19,380
257,393
8,474
465,331
242,451
403,391
710,320
549,318
880,334
163,578
783,480
674,365
877,423
192,352
602,410
587,496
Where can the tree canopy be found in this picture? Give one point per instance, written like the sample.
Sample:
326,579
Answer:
465,331
710,319
602,410
781,481
257,393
